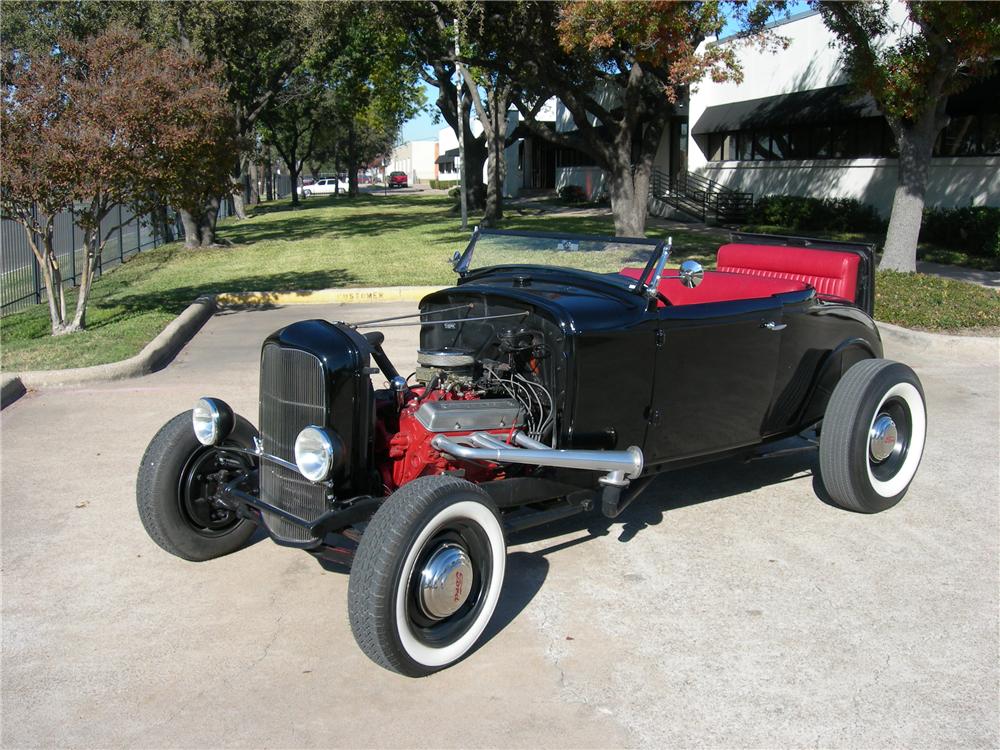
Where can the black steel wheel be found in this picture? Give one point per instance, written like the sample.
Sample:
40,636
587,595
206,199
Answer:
178,478
873,436
427,575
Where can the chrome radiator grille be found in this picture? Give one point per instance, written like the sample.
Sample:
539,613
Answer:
291,397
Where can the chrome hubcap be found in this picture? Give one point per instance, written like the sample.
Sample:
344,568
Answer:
882,439
445,581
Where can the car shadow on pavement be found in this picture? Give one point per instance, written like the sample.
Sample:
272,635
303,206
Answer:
523,579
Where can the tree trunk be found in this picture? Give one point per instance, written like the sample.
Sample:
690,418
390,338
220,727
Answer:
629,195
94,248
241,196
352,163
254,183
208,222
192,231
269,180
494,189
916,144
52,276
293,174
475,158
161,224
239,202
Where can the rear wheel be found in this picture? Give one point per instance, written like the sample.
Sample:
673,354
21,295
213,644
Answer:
307,193
178,478
427,575
873,435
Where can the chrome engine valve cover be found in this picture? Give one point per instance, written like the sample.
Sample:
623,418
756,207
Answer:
464,416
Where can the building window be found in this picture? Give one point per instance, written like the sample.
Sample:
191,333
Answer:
990,142
571,157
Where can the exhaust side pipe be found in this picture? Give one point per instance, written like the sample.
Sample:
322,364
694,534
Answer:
621,466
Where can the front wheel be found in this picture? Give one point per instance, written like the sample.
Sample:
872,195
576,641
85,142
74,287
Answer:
873,435
427,575
178,478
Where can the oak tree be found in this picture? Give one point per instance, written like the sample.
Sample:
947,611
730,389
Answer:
910,64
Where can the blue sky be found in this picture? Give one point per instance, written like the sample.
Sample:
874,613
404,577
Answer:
422,127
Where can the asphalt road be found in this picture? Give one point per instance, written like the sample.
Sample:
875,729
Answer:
731,607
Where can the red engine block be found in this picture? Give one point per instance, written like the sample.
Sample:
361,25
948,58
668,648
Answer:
404,452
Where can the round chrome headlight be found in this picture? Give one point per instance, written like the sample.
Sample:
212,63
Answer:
212,420
316,452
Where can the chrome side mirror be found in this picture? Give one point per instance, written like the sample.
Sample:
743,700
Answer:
455,259
691,273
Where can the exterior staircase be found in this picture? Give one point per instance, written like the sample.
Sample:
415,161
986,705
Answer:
700,197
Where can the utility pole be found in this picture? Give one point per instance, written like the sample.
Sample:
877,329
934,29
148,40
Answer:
461,136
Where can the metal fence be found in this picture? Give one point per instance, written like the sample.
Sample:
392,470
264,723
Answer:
21,281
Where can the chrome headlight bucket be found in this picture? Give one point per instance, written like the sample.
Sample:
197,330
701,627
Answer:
212,420
317,453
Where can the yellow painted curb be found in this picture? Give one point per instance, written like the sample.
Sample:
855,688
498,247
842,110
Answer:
347,295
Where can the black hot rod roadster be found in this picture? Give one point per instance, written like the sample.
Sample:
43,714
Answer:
560,375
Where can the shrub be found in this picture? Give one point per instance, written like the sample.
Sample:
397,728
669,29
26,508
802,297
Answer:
976,228
442,184
572,194
830,214
453,192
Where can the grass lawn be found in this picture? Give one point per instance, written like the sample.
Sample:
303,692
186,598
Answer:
369,241
329,242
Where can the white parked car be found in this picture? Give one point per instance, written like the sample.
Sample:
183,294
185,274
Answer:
324,187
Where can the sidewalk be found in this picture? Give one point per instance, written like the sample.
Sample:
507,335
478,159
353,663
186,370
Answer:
988,279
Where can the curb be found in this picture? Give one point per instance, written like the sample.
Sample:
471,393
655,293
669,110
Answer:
182,329
345,296
156,353
11,389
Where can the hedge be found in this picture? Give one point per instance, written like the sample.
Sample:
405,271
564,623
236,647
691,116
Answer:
974,229
442,184
832,214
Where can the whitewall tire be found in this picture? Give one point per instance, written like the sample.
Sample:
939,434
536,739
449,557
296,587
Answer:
873,435
427,575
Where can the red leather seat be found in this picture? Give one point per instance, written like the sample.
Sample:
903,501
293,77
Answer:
718,287
834,275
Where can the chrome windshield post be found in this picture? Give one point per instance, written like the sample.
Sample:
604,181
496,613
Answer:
654,283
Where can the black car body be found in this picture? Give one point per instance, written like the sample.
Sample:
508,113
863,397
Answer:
545,390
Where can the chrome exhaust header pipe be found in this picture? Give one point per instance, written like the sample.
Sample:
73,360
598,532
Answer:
621,466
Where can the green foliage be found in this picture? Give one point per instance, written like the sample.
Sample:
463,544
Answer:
908,64
827,214
973,229
916,300
572,194
443,185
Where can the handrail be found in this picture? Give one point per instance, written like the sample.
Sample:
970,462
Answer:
699,195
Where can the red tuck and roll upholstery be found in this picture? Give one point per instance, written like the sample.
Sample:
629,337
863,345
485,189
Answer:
832,274
756,271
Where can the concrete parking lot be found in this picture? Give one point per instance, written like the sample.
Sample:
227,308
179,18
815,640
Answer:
731,607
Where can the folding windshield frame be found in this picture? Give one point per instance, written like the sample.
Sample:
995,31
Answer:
460,263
